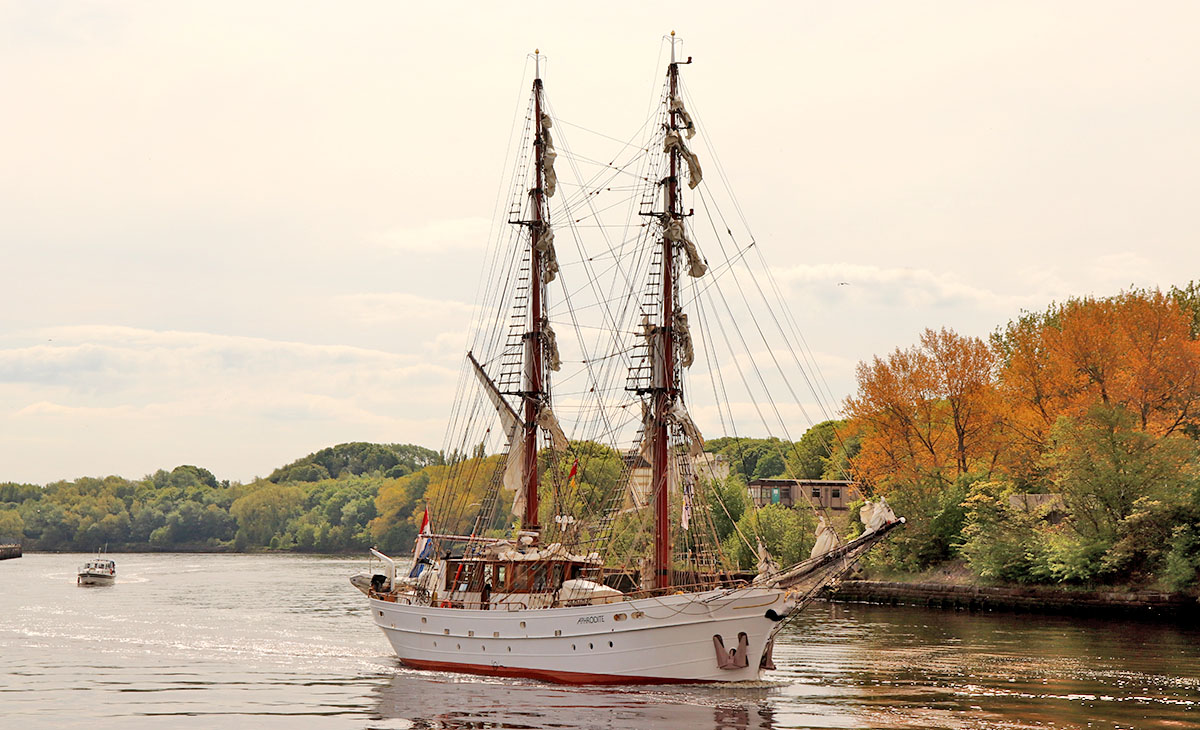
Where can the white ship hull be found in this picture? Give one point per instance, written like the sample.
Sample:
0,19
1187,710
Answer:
667,639
95,579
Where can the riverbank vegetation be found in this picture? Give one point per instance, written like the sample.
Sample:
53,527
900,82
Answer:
321,503
1061,450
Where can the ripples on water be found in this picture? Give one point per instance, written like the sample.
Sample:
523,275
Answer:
198,641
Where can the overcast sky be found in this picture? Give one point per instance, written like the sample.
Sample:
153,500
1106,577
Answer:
234,233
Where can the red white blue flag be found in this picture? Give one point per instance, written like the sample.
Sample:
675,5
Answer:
423,549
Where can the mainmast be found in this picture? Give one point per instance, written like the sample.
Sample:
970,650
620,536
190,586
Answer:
534,374
665,389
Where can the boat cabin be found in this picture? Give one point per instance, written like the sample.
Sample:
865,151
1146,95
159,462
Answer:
99,567
511,576
515,584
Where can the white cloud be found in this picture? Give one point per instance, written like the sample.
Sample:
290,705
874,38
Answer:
913,286
249,402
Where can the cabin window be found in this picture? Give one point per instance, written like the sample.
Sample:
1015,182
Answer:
541,574
499,577
519,580
556,576
816,492
835,493
785,493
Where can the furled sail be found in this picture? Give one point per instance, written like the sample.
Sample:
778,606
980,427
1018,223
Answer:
673,141
683,336
767,567
677,107
875,515
553,361
644,449
827,539
545,246
673,231
548,157
678,415
548,422
514,467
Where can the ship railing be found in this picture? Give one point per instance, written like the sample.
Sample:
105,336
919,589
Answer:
411,601
689,588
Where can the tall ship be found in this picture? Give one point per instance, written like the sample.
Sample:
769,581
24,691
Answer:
604,547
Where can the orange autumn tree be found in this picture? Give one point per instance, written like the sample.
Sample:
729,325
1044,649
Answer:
928,414
1135,350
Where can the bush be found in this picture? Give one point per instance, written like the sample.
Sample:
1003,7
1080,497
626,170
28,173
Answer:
935,515
1000,542
1183,559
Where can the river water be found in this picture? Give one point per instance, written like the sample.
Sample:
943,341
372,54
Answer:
275,641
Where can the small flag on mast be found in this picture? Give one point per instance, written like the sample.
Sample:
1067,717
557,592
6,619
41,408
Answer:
423,549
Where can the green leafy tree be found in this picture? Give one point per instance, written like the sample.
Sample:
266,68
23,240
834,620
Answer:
809,458
12,525
1102,466
788,534
262,514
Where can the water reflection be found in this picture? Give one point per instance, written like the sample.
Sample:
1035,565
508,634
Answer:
432,701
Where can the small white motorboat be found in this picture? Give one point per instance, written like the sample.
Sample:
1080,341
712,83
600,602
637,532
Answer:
97,572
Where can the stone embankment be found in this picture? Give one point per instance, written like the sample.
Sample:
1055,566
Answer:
1023,599
10,551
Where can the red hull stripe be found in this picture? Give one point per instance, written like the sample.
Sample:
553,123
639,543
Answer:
546,675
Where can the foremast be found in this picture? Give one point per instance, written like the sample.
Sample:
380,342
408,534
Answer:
665,389
534,390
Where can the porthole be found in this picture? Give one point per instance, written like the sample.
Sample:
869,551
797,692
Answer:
510,648
470,633
637,614
590,645
619,617
522,624
423,619
558,632
446,632
495,634
572,647
458,646
435,643
482,647
610,644
381,613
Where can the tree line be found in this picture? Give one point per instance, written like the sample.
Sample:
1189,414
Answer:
321,503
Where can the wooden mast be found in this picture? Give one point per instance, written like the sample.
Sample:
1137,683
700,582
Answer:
664,368
535,385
